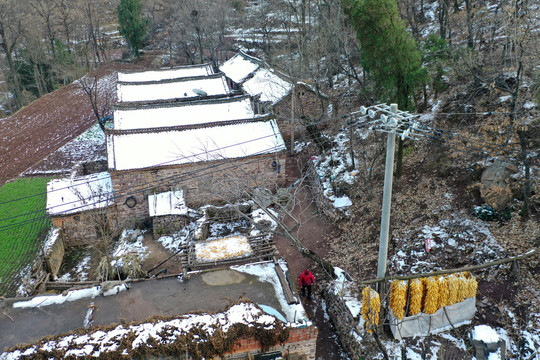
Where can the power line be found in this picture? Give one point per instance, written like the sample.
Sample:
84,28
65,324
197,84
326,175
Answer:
149,185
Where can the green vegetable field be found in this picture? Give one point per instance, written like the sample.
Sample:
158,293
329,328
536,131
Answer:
23,227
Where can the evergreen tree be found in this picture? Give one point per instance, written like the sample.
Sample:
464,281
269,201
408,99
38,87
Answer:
390,55
133,26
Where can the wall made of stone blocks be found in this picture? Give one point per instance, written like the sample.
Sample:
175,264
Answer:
80,229
306,104
324,204
344,323
168,224
214,182
55,256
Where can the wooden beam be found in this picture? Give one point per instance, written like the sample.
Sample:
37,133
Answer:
450,271
285,284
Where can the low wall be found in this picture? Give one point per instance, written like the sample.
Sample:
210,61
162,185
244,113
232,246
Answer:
346,325
324,204
301,345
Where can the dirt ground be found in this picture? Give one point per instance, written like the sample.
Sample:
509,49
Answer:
37,130
313,231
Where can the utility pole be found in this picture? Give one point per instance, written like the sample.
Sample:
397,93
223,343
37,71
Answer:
387,199
292,120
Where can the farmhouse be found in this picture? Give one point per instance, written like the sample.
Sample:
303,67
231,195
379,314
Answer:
212,146
277,92
166,74
78,205
186,88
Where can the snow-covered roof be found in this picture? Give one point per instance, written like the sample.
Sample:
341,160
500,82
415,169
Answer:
178,114
268,85
240,66
140,150
173,89
167,74
67,196
167,203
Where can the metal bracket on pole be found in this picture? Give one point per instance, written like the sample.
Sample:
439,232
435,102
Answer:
387,199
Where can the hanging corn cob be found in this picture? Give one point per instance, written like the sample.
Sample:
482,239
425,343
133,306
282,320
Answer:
417,292
398,298
453,289
444,291
371,306
463,287
472,286
432,296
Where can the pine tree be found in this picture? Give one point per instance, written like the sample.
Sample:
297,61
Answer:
390,55
132,25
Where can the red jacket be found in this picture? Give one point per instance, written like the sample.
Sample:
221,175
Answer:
307,278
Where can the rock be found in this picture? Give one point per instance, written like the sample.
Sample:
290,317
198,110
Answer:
495,184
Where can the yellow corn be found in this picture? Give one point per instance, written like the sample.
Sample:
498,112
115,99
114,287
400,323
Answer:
371,307
417,292
444,292
432,296
398,298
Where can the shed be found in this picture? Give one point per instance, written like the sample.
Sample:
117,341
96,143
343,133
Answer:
168,211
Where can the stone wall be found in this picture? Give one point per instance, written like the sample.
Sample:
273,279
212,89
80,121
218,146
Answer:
203,183
324,204
301,345
345,324
214,182
168,224
80,229
307,105
54,256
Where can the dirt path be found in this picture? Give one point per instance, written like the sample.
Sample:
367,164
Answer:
312,230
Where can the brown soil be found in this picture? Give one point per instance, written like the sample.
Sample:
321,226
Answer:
313,231
51,121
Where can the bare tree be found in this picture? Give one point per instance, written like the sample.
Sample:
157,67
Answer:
12,27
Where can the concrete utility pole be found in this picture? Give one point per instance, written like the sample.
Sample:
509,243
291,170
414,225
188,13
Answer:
387,199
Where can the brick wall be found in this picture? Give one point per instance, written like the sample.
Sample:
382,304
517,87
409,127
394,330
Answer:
301,345
214,182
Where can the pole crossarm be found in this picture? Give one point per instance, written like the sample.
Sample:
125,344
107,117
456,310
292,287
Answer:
528,254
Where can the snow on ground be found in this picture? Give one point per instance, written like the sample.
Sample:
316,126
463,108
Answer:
130,243
87,147
266,272
421,251
96,343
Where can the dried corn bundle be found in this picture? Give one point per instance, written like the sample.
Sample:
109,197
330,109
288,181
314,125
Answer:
463,288
432,296
453,289
371,306
398,297
444,291
417,292
472,285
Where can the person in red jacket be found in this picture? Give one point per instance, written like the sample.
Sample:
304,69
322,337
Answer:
306,281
